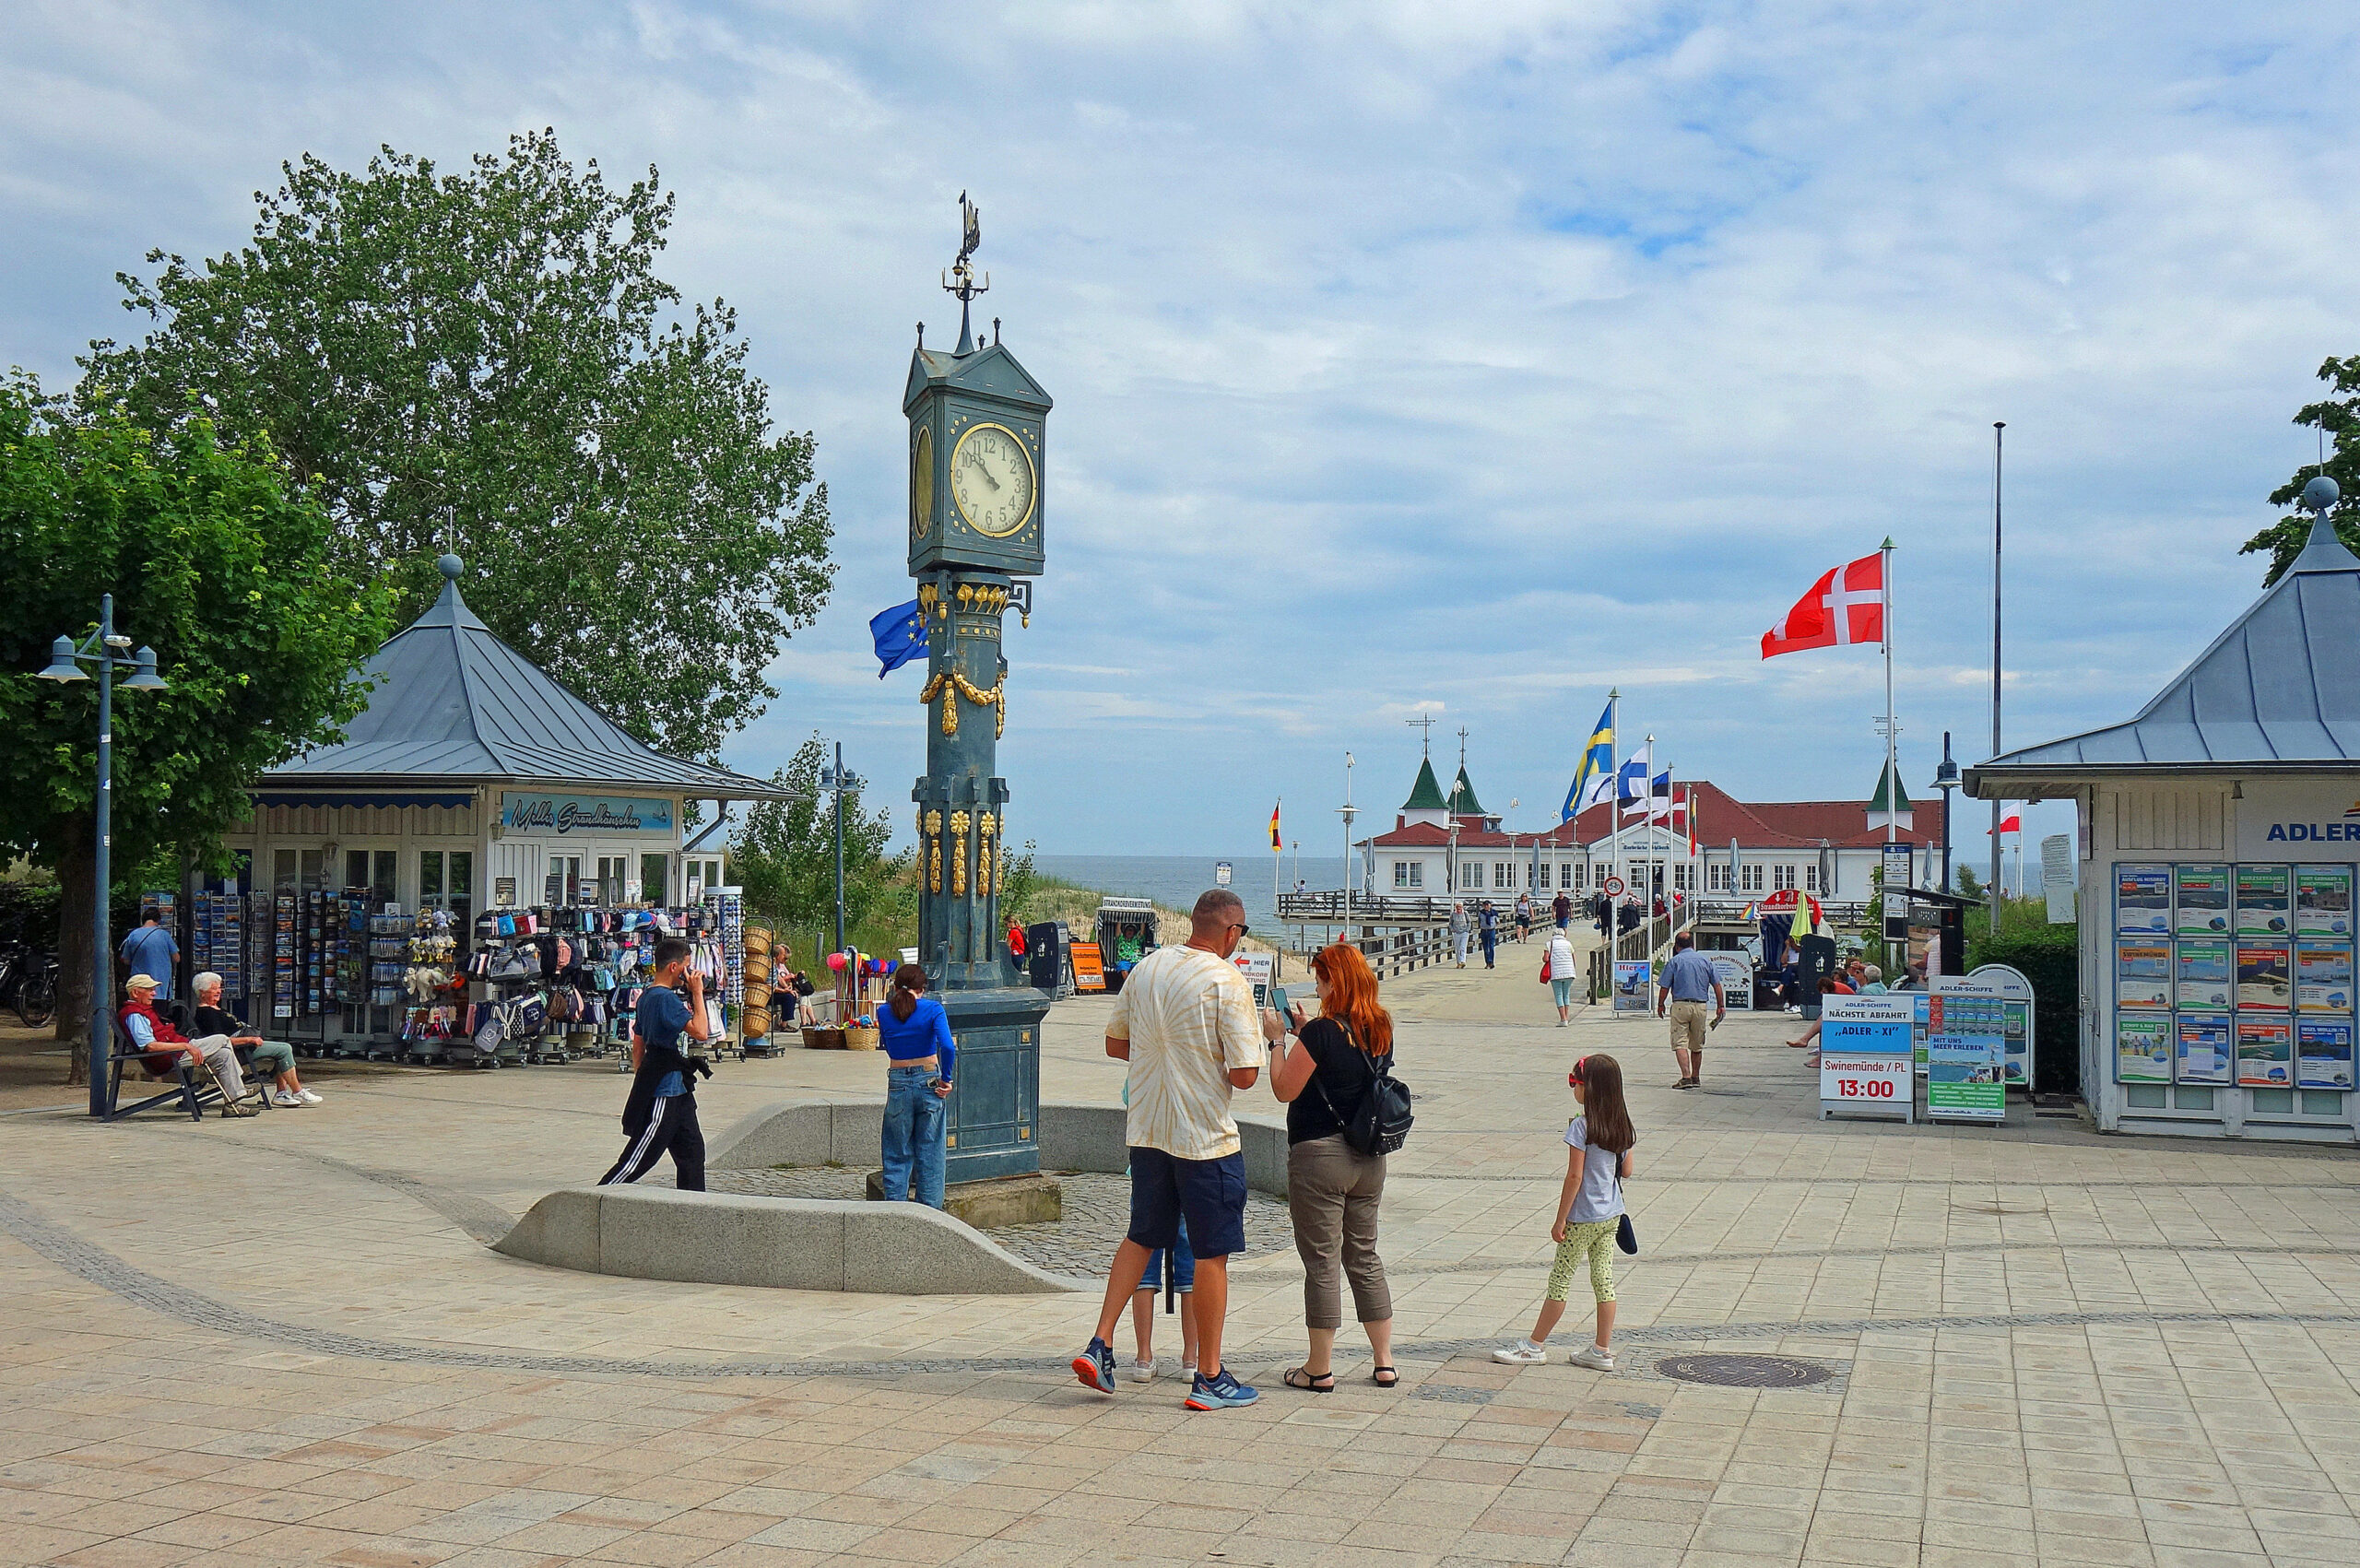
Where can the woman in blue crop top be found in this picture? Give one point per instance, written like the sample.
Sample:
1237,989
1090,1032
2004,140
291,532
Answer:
920,1055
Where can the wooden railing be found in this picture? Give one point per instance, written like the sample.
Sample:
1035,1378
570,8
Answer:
1325,907
1407,947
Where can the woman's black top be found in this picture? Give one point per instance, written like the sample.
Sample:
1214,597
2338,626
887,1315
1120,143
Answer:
1339,1067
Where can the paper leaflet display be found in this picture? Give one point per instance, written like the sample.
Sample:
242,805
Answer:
2205,1051
2323,1055
2265,1052
2142,1050
2142,899
1966,1056
1864,1055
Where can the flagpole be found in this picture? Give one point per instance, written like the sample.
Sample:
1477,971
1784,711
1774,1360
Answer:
1998,425
1277,855
1892,776
1614,808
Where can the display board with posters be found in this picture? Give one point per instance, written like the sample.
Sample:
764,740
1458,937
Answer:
2246,954
1966,1048
1865,1055
1633,985
1996,999
1735,972
1089,966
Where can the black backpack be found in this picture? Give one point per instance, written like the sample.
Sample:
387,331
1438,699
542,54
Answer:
1380,1123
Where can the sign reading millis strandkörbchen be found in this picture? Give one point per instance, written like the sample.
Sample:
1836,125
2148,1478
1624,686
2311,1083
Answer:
977,423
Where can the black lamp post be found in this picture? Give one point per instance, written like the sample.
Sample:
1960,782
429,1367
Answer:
837,781
103,649
1946,780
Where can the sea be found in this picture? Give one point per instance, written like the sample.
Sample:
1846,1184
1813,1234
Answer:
1174,880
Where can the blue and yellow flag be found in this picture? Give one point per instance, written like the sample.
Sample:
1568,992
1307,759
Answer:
900,636
1594,781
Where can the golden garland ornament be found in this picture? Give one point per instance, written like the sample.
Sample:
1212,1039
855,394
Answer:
985,827
959,863
996,699
932,824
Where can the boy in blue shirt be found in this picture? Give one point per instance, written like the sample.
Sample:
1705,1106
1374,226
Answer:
660,1117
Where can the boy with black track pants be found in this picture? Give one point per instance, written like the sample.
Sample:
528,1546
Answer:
660,1117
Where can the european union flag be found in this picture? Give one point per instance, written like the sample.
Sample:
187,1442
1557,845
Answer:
900,635
1595,776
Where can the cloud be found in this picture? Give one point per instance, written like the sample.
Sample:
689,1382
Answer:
1408,357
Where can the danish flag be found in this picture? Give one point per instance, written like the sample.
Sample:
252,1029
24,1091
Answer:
1845,605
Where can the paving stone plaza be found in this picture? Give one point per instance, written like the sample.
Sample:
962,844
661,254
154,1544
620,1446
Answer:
284,1340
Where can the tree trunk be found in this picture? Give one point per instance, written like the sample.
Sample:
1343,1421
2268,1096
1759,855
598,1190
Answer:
76,867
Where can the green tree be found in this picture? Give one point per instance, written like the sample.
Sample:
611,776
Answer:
1970,885
216,562
484,357
2338,415
784,854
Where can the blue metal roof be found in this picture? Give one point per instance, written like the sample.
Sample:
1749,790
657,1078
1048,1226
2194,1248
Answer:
451,701
2280,689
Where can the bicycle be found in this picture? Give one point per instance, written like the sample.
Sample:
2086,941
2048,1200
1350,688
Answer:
29,983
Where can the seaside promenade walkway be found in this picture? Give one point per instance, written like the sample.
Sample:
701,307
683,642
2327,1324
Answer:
283,1340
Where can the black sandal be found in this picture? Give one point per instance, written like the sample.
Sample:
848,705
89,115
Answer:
1301,1378
1386,1377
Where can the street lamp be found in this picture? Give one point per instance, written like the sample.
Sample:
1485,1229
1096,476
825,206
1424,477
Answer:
1946,780
1348,811
837,781
103,650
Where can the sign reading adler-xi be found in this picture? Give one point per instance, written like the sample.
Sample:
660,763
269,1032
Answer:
563,814
2283,819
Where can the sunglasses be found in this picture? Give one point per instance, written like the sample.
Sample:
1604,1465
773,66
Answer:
1241,929
1574,1079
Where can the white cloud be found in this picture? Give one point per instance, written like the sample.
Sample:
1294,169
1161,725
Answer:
1406,355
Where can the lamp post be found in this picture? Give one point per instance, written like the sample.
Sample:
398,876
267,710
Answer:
1946,780
837,781
1348,810
103,649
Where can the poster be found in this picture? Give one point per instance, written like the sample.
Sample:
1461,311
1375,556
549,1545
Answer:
1089,970
2142,900
2323,1055
2323,901
2204,1048
1963,1078
1865,1054
2142,1050
2202,906
2265,976
1735,972
1632,978
2265,1052
2143,977
2263,906
2323,977
2203,973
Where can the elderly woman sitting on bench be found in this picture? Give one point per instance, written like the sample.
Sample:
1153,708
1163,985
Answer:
269,1056
161,1042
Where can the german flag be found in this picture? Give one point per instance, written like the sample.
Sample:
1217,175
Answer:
1274,825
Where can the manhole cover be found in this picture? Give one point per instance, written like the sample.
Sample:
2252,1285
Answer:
1743,1371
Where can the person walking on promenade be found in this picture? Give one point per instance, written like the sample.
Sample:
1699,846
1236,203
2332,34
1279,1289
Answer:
1488,923
1460,929
1560,974
1333,1190
660,1117
1523,918
1688,979
1589,1213
1562,907
1185,1021
920,1056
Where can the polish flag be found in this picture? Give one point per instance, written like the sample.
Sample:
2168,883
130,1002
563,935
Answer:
2012,824
1845,605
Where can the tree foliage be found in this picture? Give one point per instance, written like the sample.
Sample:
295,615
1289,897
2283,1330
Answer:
2338,415
784,854
484,357
220,566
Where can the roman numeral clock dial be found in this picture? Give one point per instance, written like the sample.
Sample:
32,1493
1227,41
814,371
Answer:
992,481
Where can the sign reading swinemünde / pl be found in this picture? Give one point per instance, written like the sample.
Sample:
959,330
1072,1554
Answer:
1865,1055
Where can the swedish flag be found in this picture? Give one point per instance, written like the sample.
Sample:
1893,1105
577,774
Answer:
1594,781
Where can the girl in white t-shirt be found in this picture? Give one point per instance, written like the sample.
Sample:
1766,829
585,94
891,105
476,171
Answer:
1589,1213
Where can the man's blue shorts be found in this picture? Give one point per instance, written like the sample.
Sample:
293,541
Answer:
1210,1192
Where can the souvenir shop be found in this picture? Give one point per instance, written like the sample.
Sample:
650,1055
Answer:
477,874
2219,844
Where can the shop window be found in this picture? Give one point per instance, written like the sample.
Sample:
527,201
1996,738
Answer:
702,874
656,878
613,869
356,867
567,870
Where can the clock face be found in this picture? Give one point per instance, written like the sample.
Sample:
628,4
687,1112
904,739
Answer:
921,482
991,479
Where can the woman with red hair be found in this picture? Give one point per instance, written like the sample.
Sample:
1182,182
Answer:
1333,1190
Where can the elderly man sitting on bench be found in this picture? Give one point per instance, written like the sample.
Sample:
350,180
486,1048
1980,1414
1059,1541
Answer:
148,1030
273,1056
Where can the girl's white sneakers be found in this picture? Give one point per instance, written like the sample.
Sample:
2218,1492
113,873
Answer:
1524,1352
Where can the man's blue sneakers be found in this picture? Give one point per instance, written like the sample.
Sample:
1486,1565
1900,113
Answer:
1219,1392
1096,1367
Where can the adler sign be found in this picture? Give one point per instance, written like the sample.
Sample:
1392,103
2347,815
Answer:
2298,818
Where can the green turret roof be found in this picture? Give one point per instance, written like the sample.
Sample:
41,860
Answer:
1462,796
1877,801
1426,795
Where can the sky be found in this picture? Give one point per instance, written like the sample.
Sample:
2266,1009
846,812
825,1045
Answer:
1409,359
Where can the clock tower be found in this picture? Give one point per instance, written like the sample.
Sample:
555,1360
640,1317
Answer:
977,421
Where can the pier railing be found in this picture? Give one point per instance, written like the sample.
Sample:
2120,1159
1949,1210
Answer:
1325,907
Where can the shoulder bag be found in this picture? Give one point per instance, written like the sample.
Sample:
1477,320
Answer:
1380,1123
1624,1236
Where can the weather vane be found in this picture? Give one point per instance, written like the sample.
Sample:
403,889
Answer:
961,279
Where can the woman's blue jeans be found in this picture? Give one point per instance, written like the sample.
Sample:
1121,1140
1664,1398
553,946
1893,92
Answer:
913,1137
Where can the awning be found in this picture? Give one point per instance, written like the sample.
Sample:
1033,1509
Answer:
316,797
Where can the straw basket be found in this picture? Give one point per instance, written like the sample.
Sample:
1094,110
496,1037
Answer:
857,1038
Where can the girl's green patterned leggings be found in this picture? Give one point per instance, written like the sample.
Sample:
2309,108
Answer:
1595,1240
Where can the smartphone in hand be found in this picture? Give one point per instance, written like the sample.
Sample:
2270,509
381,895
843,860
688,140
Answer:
1280,1006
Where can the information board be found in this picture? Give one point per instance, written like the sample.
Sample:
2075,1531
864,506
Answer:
1864,1055
2202,972
2143,1049
2142,972
1735,972
2323,901
2265,907
1633,981
2323,977
1962,1082
2201,908
2008,988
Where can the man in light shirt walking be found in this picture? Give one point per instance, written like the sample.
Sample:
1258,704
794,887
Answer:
1185,1021
1688,979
